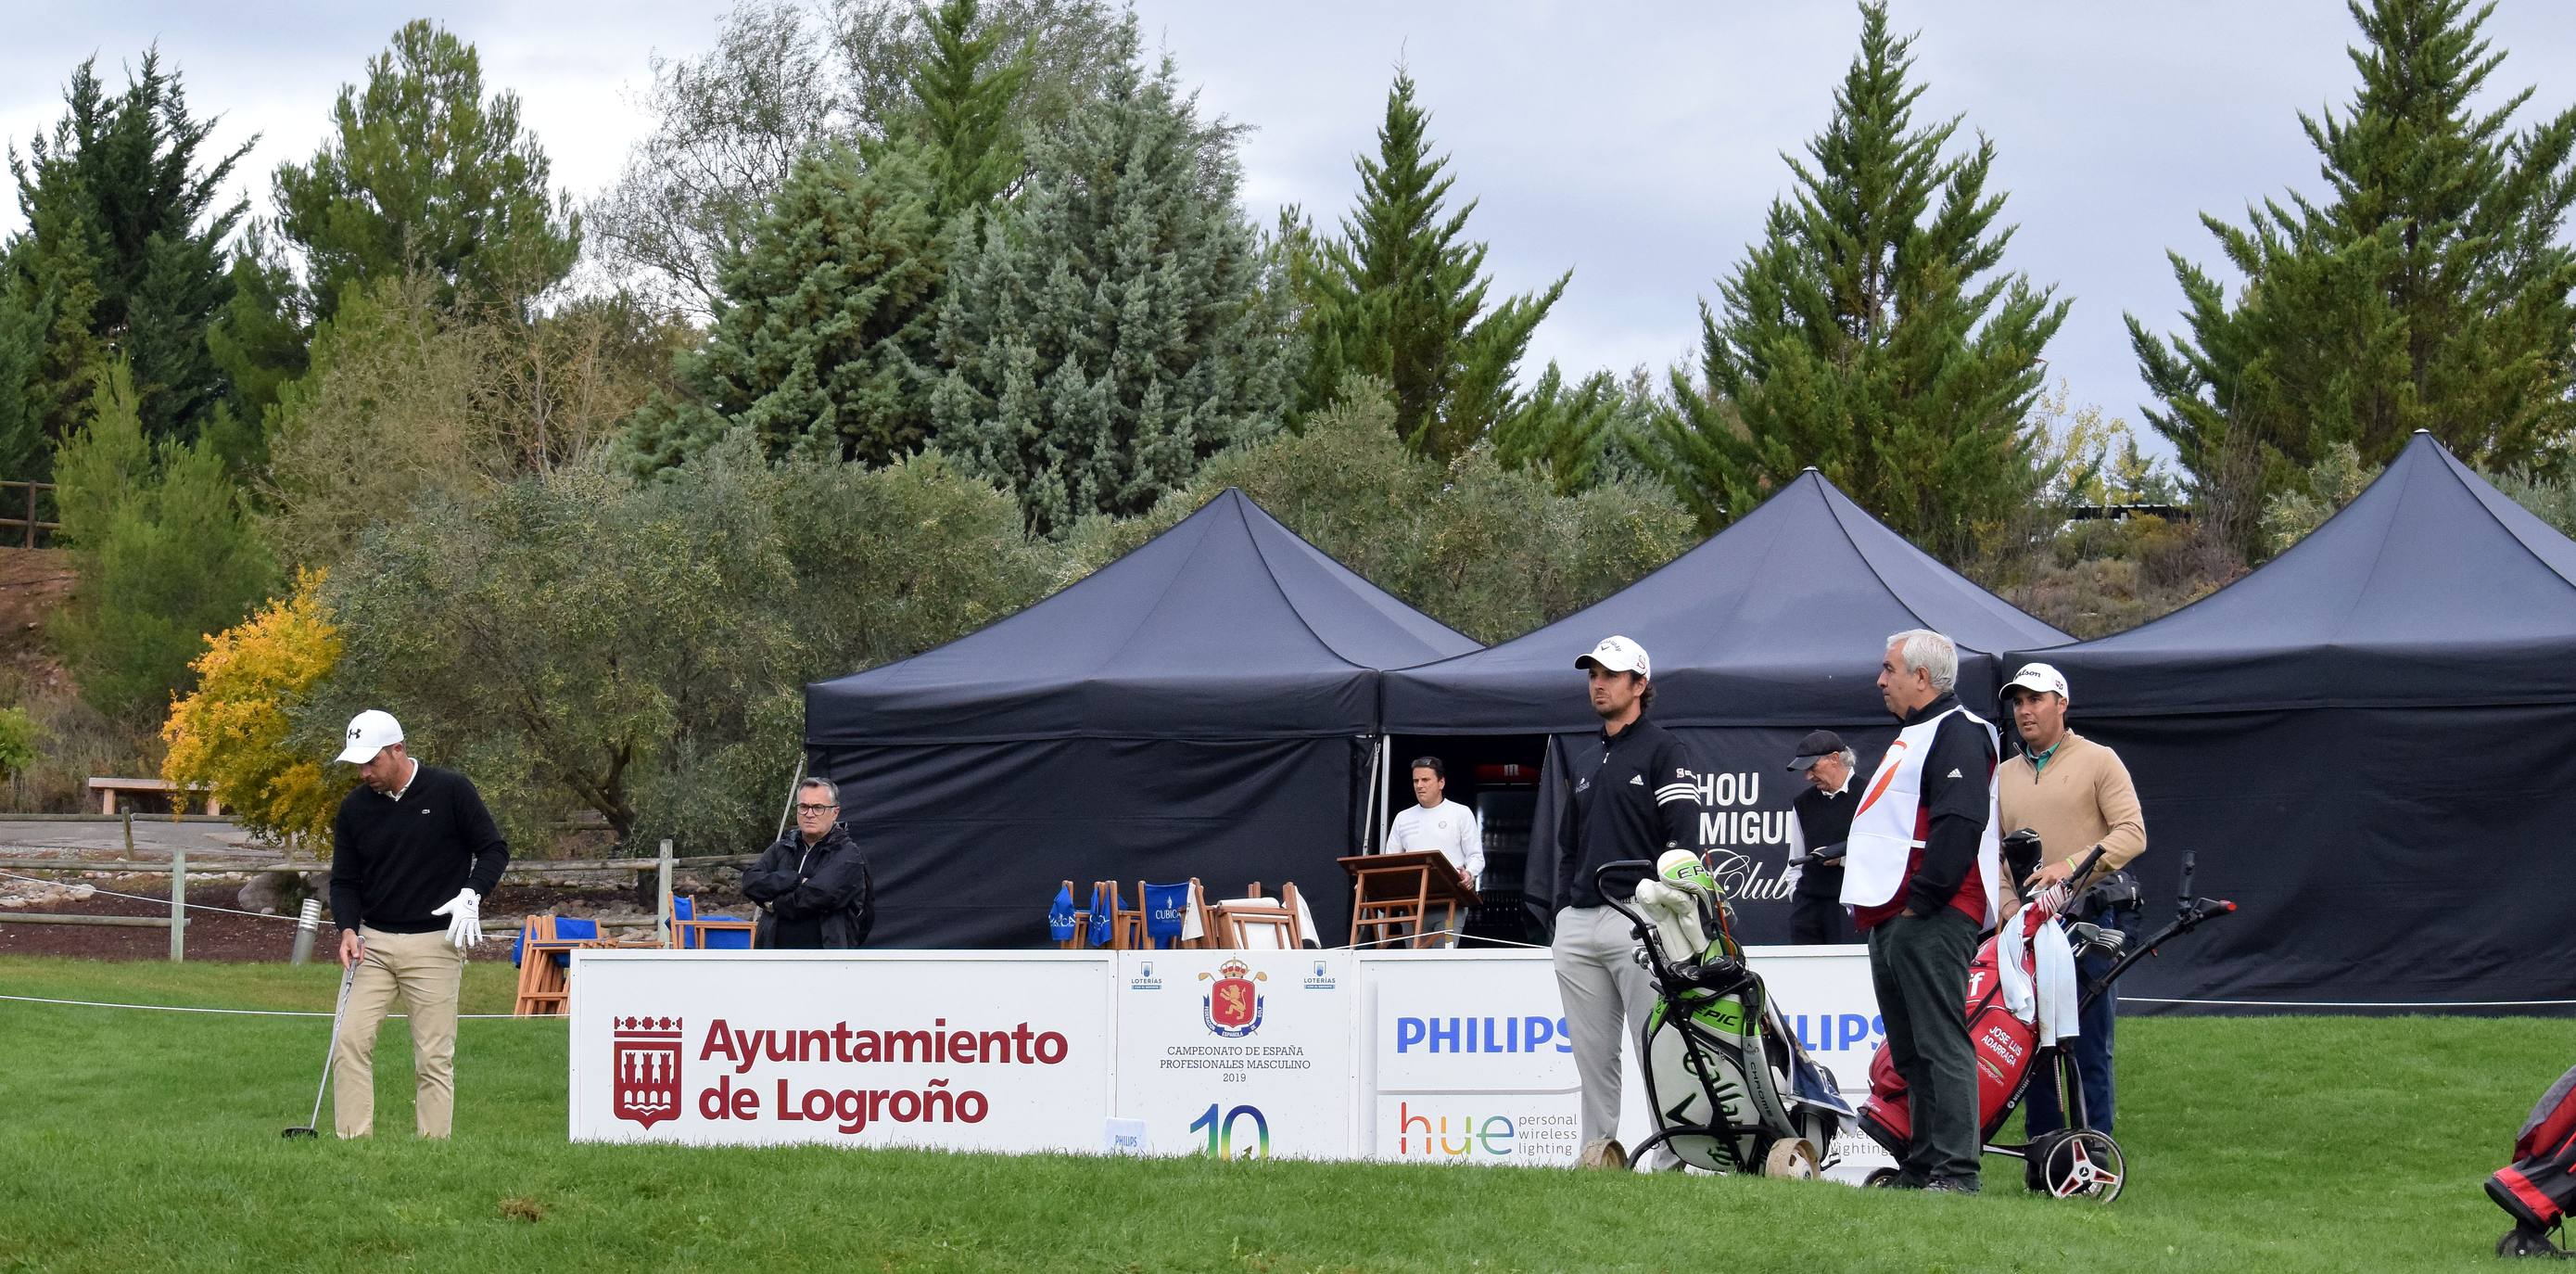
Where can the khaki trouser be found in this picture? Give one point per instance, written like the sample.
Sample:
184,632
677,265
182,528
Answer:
425,969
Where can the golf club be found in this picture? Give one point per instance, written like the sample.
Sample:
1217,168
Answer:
308,1129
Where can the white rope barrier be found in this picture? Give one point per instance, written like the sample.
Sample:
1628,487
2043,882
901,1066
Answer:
180,1008
95,891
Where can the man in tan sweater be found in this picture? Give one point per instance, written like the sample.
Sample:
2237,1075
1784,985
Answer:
2076,794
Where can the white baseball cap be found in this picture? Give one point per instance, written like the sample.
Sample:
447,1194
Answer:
2040,677
1616,654
370,732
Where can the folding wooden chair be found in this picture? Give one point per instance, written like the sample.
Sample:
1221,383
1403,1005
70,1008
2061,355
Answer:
691,931
545,986
1081,927
1126,924
1256,923
1195,907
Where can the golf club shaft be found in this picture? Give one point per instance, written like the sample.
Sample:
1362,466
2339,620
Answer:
348,977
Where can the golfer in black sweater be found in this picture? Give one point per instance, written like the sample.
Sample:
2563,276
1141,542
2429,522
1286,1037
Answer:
413,853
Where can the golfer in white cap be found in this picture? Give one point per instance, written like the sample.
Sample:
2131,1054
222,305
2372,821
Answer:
413,854
1636,794
2076,794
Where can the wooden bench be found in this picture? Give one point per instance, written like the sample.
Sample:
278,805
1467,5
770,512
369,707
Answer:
107,788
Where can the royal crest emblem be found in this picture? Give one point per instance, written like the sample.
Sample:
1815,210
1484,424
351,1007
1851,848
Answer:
646,1069
1232,1005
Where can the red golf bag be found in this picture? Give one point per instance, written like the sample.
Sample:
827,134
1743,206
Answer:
2005,1045
2540,1185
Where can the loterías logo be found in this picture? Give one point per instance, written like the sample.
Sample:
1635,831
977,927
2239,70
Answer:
1232,1005
646,1069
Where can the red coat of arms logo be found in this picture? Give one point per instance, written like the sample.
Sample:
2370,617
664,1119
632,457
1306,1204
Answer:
645,1069
1232,1005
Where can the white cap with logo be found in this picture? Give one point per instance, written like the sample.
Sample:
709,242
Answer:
2039,677
370,732
1616,654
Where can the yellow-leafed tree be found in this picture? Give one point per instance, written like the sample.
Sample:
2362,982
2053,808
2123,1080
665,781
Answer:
233,734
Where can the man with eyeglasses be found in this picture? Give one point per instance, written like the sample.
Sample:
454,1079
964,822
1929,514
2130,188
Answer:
812,884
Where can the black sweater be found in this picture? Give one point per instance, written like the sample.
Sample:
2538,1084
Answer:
393,862
1636,794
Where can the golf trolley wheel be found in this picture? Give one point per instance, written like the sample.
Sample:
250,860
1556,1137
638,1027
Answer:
2524,1241
2086,1164
1880,1180
1790,1159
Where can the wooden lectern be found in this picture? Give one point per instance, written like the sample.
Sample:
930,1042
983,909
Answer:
1391,891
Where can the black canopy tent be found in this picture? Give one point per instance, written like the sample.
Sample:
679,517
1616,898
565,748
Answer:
1203,706
1771,628
2368,744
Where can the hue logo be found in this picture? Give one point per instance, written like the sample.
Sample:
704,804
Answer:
1465,1137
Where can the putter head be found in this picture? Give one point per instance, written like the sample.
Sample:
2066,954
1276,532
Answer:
293,1133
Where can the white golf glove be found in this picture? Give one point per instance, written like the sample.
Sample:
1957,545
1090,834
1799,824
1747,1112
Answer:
464,914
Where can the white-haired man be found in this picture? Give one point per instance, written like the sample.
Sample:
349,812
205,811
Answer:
2076,794
413,854
1920,879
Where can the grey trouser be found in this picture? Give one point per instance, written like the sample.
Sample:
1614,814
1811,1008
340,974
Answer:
1607,997
1919,967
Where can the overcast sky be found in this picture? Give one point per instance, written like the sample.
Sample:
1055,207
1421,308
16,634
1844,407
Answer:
1638,149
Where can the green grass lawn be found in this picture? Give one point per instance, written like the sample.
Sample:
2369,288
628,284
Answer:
135,1141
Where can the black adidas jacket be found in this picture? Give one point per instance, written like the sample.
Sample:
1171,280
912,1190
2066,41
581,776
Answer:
1636,794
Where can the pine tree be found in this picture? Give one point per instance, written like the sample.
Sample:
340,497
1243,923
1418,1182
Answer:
165,549
2433,288
965,124
262,340
124,249
25,454
1110,330
821,346
1869,333
1563,430
423,173
1400,296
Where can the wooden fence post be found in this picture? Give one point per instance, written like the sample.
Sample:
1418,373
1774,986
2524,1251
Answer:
662,902
178,904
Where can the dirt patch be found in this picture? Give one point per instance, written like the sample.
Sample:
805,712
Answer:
34,583
214,935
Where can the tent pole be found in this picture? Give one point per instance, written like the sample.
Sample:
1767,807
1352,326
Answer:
1379,796
1368,802
1385,793
789,810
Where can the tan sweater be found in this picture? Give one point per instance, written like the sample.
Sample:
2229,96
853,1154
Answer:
2082,799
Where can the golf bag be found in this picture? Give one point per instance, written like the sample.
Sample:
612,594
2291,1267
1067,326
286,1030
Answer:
1730,1088
2540,1185
2074,1162
2005,1044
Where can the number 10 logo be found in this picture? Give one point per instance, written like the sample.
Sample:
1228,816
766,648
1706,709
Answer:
1220,1132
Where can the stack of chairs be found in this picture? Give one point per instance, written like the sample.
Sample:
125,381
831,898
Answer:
1253,922
543,951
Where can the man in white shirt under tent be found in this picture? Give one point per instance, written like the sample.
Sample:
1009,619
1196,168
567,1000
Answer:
1436,822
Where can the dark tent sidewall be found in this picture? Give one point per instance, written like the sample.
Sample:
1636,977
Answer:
2384,859
970,841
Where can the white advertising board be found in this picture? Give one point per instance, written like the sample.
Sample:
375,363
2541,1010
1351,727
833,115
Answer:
1240,1054
960,1050
1464,1057
1433,1056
